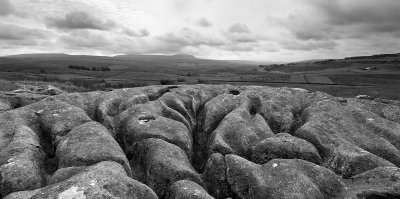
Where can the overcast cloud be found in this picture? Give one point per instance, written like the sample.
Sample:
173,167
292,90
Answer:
6,8
276,30
79,20
204,22
10,32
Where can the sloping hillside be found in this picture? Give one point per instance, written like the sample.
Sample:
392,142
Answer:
381,62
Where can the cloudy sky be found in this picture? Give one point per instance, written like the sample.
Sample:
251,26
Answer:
275,30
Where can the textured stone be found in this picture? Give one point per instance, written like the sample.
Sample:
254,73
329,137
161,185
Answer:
281,178
21,162
186,189
5,105
141,125
215,177
58,118
246,141
349,139
284,146
161,164
381,182
102,180
88,144
238,132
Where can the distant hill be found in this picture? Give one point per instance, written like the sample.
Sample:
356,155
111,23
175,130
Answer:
125,64
183,56
380,56
39,55
61,55
179,60
177,56
250,62
381,61
310,61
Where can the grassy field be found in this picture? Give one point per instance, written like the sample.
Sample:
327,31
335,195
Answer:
344,77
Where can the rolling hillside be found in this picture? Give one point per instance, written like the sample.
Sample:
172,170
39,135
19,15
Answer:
381,62
377,75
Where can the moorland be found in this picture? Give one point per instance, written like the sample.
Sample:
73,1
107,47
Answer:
375,75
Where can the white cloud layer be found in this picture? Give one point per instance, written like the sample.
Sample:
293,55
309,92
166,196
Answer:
277,30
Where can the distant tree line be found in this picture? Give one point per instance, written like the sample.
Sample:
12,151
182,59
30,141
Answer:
270,67
76,67
325,61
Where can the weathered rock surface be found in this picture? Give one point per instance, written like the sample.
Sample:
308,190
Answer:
284,146
162,164
215,177
22,162
280,178
146,121
186,189
102,180
88,144
238,132
5,105
42,89
381,182
25,95
351,140
198,141
58,118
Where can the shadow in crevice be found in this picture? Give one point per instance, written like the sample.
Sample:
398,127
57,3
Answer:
300,117
255,105
161,92
274,125
199,151
200,156
253,110
234,92
50,161
289,123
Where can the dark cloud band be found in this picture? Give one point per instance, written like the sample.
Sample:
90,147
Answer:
80,20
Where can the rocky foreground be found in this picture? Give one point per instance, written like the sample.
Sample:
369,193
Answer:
198,141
